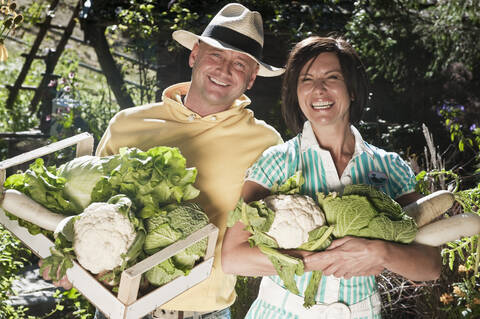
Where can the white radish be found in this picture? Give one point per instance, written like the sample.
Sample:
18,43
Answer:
26,208
427,208
449,229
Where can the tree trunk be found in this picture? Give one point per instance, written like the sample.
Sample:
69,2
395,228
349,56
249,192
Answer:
95,35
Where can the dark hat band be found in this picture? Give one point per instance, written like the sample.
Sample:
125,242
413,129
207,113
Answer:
234,39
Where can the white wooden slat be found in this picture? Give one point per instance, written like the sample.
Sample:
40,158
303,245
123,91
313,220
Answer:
84,142
130,279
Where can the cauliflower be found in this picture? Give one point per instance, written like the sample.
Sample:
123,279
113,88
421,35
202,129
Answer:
101,237
295,217
288,221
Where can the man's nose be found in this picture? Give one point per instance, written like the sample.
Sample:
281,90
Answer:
226,66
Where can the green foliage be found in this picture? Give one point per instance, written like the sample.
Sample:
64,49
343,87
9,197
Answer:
396,38
462,128
18,118
34,12
13,257
463,301
93,104
247,289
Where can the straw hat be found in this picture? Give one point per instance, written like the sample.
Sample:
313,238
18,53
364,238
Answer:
234,28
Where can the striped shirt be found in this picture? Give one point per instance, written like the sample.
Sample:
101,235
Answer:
369,165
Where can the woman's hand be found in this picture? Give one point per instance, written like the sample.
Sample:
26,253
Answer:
352,256
348,257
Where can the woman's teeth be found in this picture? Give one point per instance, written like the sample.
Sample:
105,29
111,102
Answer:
322,105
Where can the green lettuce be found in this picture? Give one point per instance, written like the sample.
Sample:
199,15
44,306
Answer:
151,179
45,186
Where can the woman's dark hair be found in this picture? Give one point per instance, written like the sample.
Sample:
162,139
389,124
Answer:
352,69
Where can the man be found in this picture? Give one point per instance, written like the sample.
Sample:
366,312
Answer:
207,120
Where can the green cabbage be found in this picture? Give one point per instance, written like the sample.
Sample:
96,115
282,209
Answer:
82,174
364,211
174,222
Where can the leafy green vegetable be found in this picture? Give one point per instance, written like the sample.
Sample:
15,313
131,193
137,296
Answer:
150,179
82,174
166,226
44,186
364,211
287,266
163,273
156,183
361,211
258,219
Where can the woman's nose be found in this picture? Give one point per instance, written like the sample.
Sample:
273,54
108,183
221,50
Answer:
320,84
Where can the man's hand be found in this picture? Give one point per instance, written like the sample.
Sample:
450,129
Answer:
348,257
64,282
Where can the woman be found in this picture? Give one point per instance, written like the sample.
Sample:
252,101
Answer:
324,93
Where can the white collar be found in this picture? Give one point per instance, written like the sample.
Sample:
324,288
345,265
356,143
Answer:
308,140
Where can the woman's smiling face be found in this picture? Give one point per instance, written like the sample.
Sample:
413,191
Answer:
322,92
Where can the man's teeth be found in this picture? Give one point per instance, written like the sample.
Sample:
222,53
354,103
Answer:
322,105
218,82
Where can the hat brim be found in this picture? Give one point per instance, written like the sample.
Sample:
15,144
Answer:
188,40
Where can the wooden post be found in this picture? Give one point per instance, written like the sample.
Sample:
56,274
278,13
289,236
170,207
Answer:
52,61
30,57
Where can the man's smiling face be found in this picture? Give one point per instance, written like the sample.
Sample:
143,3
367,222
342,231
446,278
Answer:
218,78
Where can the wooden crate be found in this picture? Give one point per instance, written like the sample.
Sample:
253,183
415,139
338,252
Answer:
126,303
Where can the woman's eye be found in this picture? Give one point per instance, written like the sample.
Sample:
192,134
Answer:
335,77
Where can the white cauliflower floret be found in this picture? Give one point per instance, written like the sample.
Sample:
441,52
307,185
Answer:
102,236
295,217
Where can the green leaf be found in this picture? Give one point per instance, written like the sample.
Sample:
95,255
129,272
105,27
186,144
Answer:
318,239
312,289
461,145
286,266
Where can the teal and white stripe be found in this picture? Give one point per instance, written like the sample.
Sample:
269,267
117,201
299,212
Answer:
280,162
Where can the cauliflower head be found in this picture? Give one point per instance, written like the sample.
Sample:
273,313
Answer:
295,217
101,237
